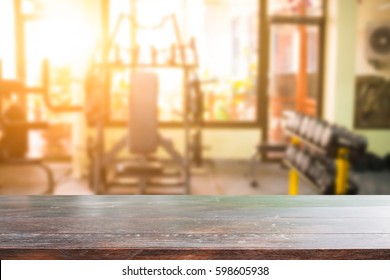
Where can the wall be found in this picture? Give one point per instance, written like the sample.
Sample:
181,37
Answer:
372,11
345,59
340,62
219,143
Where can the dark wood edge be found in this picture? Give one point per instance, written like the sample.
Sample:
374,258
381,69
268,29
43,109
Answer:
194,254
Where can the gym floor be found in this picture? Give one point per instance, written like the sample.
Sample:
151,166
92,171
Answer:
216,178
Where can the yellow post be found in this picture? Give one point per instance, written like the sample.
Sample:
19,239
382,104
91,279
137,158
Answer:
342,172
294,175
294,182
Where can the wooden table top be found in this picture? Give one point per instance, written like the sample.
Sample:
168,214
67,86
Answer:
194,227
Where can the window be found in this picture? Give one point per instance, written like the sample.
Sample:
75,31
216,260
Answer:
230,54
65,33
226,36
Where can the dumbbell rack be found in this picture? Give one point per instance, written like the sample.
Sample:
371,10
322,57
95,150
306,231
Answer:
342,166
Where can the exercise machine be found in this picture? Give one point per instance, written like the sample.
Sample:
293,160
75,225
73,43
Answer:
14,128
142,137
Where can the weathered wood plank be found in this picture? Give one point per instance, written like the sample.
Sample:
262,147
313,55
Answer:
194,227
191,240
170,225
134,254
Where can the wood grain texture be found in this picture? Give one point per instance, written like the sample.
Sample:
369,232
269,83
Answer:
194,227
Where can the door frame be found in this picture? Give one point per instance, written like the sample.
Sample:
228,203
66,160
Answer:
265,24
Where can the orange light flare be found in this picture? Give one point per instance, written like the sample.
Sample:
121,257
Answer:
66,34
7,41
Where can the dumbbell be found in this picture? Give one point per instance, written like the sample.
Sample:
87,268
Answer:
333,137
328,136
329,140
328,175
308,131
311,130
318,131
350,140
294,121
387,161
291,153
326,183
298,158
303,161
306,161
323,174
303,129
304,126
314,171
328,163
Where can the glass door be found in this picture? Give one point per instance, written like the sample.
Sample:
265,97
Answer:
295,64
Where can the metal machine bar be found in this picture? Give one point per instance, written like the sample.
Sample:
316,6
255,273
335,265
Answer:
342,164
294,182
294,174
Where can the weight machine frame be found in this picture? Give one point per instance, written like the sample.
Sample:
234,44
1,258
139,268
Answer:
101,160
104,68
10,86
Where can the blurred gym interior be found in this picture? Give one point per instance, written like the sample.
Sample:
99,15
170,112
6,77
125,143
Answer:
201,97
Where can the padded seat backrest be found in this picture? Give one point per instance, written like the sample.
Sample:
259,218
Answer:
143,116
